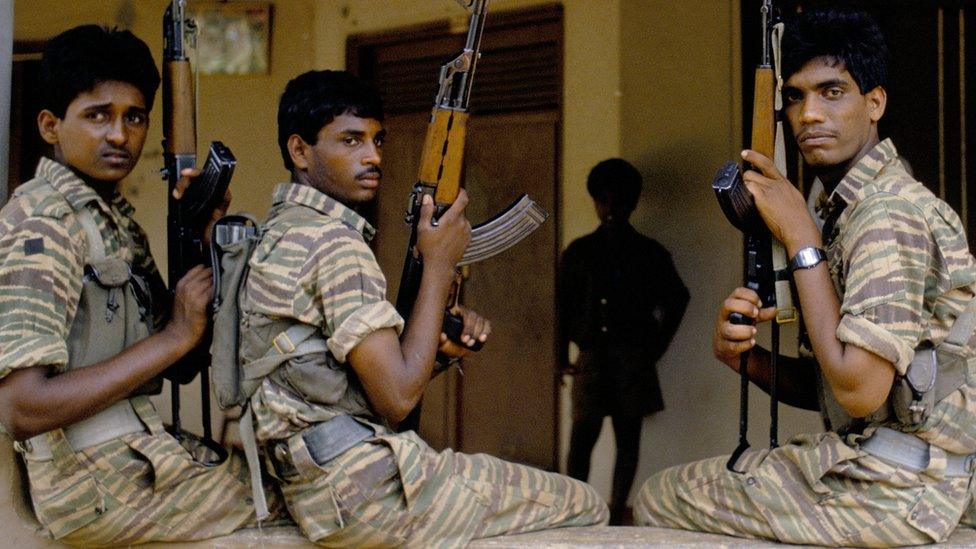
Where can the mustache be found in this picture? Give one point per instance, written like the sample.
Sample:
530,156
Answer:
373,170
813,133
117,151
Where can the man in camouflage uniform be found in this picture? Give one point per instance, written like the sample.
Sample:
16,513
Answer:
897,275
324,417
81,341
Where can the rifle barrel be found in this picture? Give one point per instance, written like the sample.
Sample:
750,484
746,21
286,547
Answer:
767,16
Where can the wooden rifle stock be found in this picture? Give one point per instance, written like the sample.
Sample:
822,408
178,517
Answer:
763,113
442,157
179,116
440,175
443,154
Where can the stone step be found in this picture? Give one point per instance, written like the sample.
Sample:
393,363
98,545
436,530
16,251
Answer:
561,538
19,528
632,536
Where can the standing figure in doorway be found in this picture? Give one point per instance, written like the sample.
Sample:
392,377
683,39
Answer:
620,301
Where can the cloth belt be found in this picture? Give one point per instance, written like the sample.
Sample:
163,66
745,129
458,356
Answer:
912,453
112,422
305,452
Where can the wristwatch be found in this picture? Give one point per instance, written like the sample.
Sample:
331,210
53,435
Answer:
807,258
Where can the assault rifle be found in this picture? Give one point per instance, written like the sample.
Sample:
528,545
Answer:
440,176
188,216
764,259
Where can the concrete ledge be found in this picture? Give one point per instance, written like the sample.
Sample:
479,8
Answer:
630,536
560,538
276,536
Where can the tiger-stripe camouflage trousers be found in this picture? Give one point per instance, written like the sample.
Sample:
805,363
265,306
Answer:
394,490
142,487
814,490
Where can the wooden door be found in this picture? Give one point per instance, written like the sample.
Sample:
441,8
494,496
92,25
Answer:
505,402
26,145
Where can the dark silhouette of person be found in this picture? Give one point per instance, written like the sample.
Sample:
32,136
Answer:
620,301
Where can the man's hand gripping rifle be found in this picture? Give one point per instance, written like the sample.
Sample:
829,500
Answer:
440,176
764,262
189,215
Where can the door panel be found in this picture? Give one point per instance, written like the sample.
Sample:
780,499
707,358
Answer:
505,403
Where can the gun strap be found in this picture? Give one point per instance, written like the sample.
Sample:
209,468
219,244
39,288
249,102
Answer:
743,414
785,311
249,441
777,43
774,388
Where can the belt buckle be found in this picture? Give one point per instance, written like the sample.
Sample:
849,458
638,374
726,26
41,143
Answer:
282,343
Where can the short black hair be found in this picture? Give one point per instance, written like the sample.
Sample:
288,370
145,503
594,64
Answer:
851,38
313,99
617,182
78,59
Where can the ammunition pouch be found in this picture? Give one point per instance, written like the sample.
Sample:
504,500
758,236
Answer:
304,454
934,373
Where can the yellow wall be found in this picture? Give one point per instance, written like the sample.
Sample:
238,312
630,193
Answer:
653,81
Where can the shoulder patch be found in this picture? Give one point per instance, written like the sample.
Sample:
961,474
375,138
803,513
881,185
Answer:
34,246
53,205
38,198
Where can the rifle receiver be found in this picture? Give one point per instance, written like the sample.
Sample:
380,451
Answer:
457,76
176,29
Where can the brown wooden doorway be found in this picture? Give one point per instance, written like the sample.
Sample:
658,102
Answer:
505,404
26,146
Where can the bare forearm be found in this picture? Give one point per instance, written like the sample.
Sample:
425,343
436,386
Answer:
394,372
821,313
796,378
420,342
860,380
33,402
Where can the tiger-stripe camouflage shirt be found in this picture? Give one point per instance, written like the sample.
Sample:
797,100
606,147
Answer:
899,259
317,270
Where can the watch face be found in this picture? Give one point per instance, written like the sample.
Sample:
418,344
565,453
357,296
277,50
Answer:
807,258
